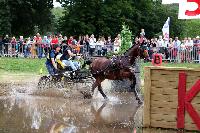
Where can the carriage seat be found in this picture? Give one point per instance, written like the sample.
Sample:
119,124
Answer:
62,66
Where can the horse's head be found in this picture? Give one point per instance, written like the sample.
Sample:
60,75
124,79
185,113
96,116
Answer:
137,51
143,52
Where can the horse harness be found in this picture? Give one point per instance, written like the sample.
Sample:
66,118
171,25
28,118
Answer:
117,64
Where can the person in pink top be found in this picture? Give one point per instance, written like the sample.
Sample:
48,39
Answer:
39,45
54,41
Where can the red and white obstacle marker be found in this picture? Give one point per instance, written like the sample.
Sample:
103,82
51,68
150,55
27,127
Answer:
188,9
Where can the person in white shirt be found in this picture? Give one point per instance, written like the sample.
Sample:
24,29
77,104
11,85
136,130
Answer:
92,42
99,45
176,43
189,47
116,45
189,43
160,42
165,43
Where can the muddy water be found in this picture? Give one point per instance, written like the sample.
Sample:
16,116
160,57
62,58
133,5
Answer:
23,114
23,111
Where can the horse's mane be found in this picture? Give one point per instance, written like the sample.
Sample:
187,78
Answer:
131,48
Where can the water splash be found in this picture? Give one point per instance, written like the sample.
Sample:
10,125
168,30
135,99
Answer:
36,120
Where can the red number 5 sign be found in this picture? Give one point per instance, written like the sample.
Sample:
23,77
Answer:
195,12
188,9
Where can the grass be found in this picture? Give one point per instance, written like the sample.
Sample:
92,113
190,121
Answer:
33,66
21,65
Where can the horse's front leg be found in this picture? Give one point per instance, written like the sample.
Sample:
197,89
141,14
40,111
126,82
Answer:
95,84
102,93
133,88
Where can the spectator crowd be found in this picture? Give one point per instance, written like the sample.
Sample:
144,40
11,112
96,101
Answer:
38,46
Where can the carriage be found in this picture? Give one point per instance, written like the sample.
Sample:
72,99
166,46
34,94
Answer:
64,78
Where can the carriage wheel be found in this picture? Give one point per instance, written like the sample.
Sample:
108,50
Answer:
67,82
43,82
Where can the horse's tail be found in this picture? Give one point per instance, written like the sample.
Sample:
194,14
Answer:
86,62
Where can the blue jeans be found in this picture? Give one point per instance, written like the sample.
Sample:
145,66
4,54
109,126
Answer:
39,52
73,64
50,69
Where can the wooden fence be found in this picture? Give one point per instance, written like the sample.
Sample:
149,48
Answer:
161,99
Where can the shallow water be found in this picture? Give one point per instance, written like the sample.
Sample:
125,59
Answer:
25,114
23,111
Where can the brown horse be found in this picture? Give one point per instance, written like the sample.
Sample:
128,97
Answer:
117,68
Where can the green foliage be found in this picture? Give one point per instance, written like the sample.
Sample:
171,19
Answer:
106,17
126,35
191,28
58,13
19,17
5,22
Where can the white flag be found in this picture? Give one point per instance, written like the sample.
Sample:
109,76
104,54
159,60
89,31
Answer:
165,29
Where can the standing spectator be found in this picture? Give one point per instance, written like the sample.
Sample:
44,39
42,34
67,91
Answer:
33,48
142,33
153,43
165,46
171,44
109,44
1,46
20,46
46,45
74,45
196,48
60,39
49,37
92,44
27,47
87,39
160,42
142,36
54,41
183,50
39,45
117,45
176,47
104,47
78,45
189,47
84,44
119,40
64,43
70,40
13,43
176,43
5,44
99,48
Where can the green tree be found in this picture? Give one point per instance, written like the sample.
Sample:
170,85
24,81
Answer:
106,17
126,35
5,21
57,13
191,28
20,16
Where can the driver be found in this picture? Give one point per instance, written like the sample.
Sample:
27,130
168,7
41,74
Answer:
66,60
50,63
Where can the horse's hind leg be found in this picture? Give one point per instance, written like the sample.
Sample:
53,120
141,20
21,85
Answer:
102,93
